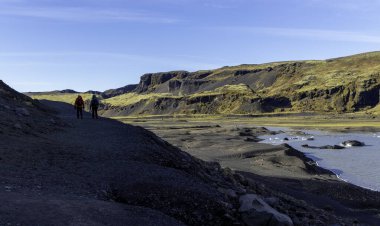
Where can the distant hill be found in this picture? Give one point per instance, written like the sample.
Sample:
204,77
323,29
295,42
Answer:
346,84
65,91
68,95
93,92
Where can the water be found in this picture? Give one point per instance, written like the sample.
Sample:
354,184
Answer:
356,165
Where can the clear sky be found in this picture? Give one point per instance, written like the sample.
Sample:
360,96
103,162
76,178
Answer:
101,44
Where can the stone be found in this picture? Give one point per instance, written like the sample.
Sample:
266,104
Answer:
353,143
256,212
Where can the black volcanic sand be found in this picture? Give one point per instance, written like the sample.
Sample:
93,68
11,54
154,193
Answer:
88,172
281,168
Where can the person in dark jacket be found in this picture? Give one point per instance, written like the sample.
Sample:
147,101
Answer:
94,105
79,106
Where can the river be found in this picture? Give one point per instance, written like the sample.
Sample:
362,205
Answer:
356,165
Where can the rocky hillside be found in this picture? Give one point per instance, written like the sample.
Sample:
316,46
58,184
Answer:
347,84
20,114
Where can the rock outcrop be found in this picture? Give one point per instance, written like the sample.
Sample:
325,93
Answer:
116,92
149,82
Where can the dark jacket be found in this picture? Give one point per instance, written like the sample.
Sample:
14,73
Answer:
94,103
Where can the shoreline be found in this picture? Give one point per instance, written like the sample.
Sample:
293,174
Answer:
282,168
335,174
341,179
316,159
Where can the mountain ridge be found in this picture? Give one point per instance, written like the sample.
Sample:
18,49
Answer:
345,84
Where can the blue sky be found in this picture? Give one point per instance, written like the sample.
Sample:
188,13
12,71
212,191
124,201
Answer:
101,44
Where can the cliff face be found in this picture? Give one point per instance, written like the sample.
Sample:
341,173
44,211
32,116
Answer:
149,82
116,92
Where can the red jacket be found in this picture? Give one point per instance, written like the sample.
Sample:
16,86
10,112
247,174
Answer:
79,103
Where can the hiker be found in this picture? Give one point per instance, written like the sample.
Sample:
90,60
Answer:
79,106
94,105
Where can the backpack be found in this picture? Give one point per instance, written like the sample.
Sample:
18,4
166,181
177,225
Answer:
79,102
95,102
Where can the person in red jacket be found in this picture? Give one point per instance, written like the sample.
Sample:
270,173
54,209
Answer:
79,106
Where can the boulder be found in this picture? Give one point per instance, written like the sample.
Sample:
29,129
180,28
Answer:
256,212
353,143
